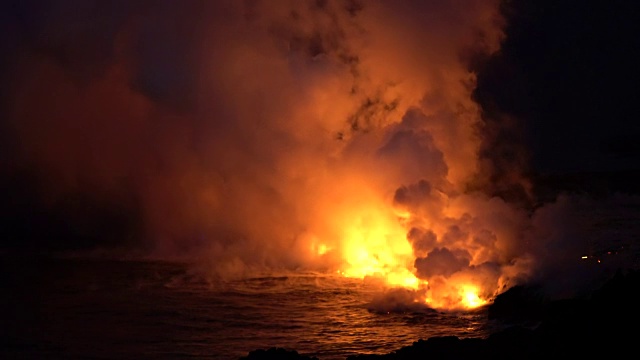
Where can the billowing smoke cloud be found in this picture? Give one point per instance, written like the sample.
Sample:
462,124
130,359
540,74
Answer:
331,135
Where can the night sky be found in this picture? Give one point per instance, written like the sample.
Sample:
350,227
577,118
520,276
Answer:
566,72
560,97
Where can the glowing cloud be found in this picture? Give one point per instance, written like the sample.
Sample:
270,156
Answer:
331,135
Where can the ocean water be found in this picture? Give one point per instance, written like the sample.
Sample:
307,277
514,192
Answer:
105,309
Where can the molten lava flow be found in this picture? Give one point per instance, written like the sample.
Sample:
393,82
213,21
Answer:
456,297
449,258
374,244
362,234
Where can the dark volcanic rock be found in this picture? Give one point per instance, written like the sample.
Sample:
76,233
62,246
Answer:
445,347
520,304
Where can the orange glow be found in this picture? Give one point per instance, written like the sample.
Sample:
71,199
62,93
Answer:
323,141
456,297
322,249
376,246
361,234
470,298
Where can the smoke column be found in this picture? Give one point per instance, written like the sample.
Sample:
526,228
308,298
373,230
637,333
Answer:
299,135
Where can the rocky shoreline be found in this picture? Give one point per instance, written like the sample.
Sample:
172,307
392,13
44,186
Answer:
602,323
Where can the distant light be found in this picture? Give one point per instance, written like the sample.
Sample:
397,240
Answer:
585,257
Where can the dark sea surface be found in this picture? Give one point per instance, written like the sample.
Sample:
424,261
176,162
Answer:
77,308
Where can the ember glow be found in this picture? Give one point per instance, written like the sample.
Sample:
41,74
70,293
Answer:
338,136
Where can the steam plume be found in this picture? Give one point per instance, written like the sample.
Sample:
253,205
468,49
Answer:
332,135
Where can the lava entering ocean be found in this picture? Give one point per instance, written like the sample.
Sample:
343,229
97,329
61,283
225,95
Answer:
334,135
451,254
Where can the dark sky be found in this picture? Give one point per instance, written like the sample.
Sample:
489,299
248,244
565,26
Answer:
567,72
560,96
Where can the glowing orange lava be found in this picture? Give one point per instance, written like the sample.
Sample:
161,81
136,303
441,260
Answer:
374,245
